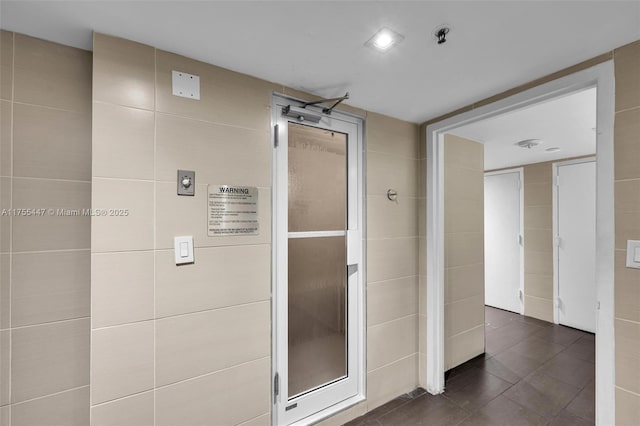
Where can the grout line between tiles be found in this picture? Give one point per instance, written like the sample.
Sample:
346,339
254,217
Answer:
124,324
165,250
214,123
417,353
120,398
211,373
13,79
91,293
52,251
466,331
155,243
253,418
393,155
415,237
48,179
628,391
394,320
51,394
466,266
22,327
109,103
168,249
222,308
536,297
637,179
627,320
394,279
120,179
51,107
453,302
627,109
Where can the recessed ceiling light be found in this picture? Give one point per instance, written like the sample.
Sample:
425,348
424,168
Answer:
553,149
528,143
384,39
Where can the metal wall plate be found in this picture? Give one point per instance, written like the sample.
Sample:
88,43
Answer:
185,85
186,182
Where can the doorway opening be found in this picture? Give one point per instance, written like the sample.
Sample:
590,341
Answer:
318,303
504,240
539,303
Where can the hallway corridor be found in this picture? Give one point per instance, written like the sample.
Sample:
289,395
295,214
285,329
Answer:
533,373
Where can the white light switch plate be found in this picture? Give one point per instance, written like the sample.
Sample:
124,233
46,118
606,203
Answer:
185,85
633,254
183,247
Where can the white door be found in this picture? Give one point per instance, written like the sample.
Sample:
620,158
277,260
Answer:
318,303
575,251
503,274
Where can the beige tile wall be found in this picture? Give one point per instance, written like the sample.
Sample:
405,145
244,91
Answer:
392,256
422,258
538,241
45,162
194,341
165,336
627,219
464,249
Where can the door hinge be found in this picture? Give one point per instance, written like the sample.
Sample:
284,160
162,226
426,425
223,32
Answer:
276,136
557,180
276,387
520,240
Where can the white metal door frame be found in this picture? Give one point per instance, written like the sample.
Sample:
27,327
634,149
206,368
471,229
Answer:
520,172
556,254
600,76
319,403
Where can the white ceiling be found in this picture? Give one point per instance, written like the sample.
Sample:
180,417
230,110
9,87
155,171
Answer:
318,46
567,123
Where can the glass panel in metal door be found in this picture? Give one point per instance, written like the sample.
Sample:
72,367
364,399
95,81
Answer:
317,258
317,179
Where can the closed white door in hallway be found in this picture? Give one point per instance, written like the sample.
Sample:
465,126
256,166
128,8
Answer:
575,248
503,239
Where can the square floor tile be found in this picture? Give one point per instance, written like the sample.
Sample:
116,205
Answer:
503,411
511,366
542,394
425,410
503,338
584,348
474,389
537,349
567,419
560,334
584,405
569,369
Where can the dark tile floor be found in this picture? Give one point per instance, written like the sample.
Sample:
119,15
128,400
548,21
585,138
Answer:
533,373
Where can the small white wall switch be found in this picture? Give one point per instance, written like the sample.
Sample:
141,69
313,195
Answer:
633,254
183,249
185,85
